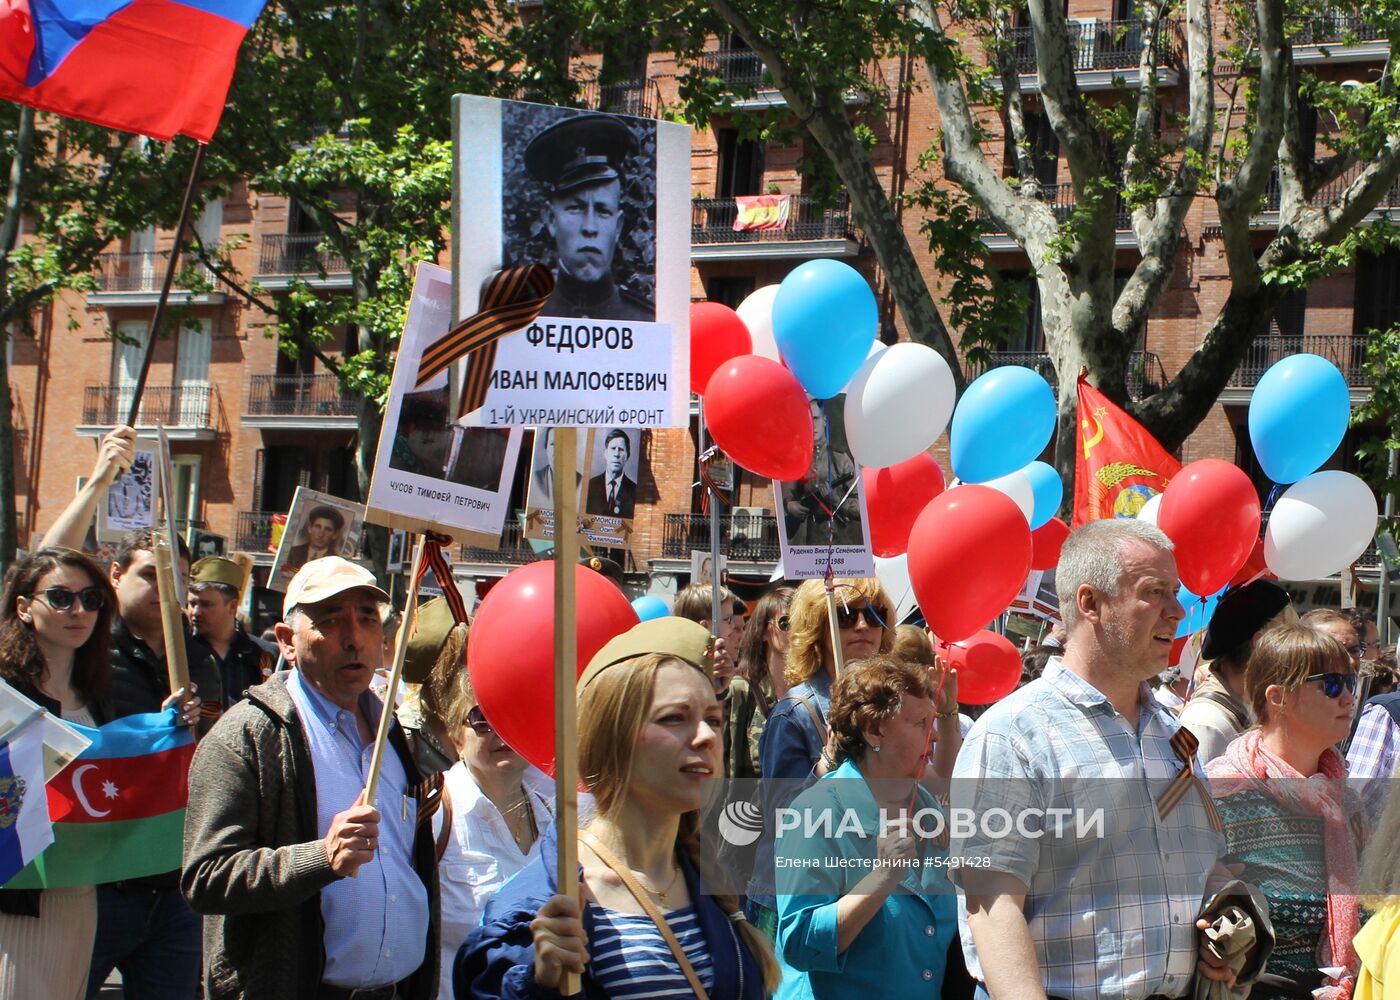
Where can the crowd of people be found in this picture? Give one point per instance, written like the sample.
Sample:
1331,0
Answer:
1252,797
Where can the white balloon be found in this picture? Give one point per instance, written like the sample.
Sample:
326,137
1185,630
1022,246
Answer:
757,313
1320,525
1016,485
875,349
898,403
1151,509
893,574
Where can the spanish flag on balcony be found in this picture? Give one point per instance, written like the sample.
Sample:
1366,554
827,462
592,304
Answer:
1118,466
155,67
761,211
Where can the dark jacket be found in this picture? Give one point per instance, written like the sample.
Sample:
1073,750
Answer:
498,959
254,861
25,902
140,681
249,662
597,500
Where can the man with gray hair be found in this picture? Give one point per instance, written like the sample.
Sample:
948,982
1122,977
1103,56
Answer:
310,892
1077,911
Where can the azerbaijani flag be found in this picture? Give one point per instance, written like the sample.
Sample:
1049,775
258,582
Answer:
157,67
118,811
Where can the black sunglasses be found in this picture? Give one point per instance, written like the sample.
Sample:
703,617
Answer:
874,616
1332,683
476,718
61,598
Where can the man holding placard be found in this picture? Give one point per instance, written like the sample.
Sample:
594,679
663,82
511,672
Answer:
310,891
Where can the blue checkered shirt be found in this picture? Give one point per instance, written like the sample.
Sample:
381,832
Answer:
1372,756
376,924
1111,905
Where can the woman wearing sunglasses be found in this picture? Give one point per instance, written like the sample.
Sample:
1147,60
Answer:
1298,838
760,682
55,619
793,748
493,807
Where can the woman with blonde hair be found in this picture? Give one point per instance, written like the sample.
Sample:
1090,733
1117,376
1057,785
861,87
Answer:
649,746
868,915
794,744
1378,943
1289,818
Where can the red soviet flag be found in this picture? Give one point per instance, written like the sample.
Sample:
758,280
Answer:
1118,466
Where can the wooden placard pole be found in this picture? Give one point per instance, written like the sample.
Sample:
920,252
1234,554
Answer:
386,715
566,670
172,625
837,659
167,494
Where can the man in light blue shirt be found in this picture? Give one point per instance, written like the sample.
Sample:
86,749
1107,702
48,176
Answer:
1089,884
309,891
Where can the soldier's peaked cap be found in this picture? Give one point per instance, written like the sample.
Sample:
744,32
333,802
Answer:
587,149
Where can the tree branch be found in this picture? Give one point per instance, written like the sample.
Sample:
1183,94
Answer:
1064,104
1237,197
1159,236
1029,221
1004,54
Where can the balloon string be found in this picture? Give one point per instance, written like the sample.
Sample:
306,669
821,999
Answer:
830,492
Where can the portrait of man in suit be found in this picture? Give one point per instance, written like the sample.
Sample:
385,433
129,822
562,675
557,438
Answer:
542,470
611,492
323,536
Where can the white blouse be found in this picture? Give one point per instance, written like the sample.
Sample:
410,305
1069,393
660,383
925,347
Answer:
480,855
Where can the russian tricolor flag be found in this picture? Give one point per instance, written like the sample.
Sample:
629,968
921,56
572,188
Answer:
156,67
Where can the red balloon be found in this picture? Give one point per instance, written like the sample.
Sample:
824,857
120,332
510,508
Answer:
760,417
894,497
989,668
716,335
969,556
1046,542
1211,512
510,652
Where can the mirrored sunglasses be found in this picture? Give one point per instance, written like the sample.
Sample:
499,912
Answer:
1333,684
476,718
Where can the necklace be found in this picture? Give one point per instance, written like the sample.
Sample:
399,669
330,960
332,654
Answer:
525,839
660,894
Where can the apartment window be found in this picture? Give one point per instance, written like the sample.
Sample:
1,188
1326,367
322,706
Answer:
729,290
1044,146
740,165
184,471
1377,294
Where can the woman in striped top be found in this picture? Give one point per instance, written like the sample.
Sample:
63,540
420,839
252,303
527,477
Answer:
649,745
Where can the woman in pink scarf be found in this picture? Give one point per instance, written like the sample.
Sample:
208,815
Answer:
1288,815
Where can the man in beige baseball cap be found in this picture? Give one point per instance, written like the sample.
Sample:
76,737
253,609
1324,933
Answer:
277,821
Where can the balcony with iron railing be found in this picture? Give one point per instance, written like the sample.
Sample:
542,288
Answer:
1267,217
814,228
1339,35
1106,54
284,257
188,410
743,537
638,98
514,550
135,279
742,68
1145,372
1346,351
299,402
1062,202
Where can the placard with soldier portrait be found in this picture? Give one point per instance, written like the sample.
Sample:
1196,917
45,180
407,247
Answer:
602,202
318,525
822,518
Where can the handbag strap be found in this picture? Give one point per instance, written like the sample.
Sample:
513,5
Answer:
816,718
644,900
445,835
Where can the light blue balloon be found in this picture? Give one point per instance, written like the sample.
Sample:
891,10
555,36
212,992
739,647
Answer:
1049,491
649,606
1003,421
1297,416
1197,616
824,322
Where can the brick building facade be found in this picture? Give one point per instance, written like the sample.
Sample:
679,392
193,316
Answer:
248,424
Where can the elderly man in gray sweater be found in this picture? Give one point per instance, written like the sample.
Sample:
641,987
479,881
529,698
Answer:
308,892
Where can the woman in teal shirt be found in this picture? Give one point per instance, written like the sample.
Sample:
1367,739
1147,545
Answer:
864,904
